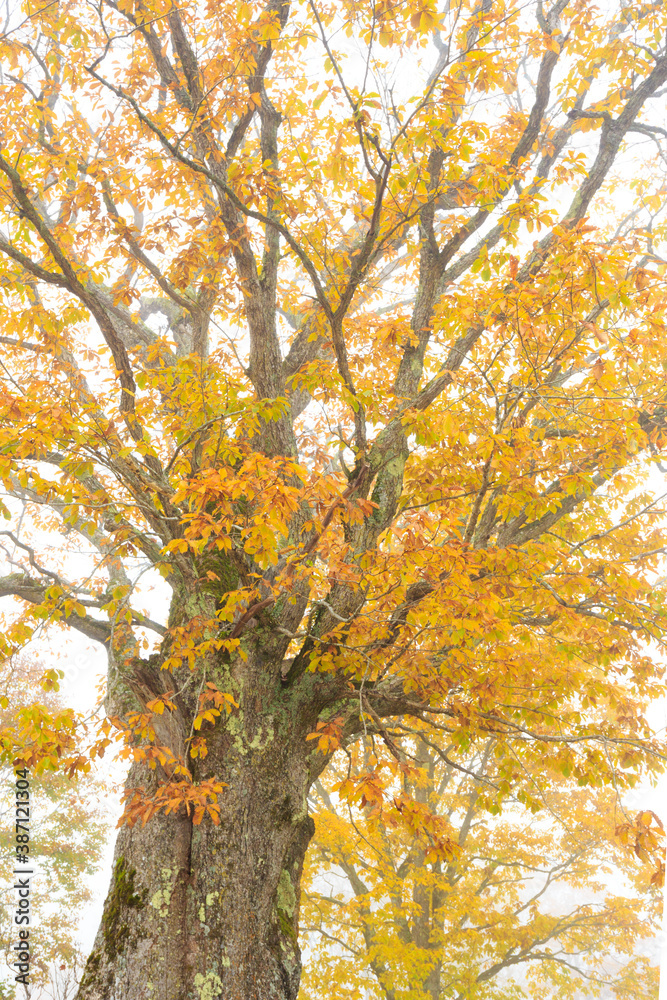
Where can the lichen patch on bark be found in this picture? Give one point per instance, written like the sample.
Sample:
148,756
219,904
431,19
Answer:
209,986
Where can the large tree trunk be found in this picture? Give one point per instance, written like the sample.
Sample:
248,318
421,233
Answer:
205,911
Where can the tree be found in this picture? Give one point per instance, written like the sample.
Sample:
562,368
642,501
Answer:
67,835
339,317
545,904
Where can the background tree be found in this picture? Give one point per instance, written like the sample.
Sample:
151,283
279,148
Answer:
304,308
68,831
536,904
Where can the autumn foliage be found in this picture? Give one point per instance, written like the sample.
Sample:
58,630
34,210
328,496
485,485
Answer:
68,830
342,324
541,902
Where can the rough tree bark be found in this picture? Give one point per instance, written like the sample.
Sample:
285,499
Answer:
206,911
199,911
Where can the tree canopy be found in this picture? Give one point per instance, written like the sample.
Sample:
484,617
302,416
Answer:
346,319
537,904
68,830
